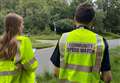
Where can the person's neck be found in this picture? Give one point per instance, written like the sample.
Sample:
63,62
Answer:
81,25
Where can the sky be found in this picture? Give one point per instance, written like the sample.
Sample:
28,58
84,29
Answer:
94,0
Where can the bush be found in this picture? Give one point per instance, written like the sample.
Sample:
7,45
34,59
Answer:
1,24
64,25
46,78
2,16
115,64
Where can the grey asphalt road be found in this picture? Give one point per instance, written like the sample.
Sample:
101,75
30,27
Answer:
43,57
113,43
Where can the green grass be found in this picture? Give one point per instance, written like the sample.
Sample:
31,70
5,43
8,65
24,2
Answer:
40,45
109,35
46,78
115,64
45,37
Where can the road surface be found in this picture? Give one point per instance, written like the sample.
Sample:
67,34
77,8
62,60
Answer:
43,56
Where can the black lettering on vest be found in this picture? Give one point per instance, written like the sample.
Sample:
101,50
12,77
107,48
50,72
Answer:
81,47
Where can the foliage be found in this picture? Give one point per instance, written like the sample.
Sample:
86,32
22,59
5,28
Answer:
99,17
1,21
46,78
111,8
112,21
41,14
115,64
64,25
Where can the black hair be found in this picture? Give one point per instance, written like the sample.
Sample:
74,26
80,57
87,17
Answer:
84,13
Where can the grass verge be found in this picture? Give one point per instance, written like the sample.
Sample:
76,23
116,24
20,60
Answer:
40,45
45,37
115,64
109,35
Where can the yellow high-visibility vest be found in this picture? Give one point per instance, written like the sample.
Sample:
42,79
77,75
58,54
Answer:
8,72
81,56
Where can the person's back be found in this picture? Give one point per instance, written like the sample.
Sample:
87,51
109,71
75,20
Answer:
82,52
17,62
27,60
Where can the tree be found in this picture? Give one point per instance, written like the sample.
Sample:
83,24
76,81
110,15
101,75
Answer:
111,14
99,17
112,20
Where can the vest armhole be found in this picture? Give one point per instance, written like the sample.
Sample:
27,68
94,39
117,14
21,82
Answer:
62,43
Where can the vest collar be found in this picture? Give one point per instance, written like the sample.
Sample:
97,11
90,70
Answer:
82,26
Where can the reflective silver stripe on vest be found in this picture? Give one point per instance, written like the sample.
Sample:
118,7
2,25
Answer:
7,73
95,68
78,67
26,65
30,62
98,54
62,43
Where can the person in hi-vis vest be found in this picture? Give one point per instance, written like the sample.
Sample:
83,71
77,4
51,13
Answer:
82,56
17,61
